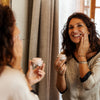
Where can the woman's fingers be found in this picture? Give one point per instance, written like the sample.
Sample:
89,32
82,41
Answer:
86,40
59,63
41,73
60,66
39,68
43,67
56,62
30,65
62,70
84,45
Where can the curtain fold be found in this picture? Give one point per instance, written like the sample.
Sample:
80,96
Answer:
55,48
33,45
44,43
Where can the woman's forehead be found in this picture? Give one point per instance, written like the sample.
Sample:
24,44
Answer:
74,21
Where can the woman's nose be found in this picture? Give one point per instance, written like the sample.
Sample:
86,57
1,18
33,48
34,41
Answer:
75,29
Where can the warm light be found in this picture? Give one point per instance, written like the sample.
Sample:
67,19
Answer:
5,2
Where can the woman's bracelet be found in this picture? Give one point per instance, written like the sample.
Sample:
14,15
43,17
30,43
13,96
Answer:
82,62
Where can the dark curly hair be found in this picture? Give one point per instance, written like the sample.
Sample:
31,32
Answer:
7,21
68,46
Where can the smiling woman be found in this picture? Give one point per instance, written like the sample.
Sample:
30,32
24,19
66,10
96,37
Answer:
77,29
78,76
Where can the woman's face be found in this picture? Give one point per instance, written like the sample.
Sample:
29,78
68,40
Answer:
18,48
77,29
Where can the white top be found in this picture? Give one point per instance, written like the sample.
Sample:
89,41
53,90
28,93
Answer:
13,86
87,90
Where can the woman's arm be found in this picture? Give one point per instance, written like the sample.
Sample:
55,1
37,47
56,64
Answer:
89,77
61,83
61,69
82,54
83,66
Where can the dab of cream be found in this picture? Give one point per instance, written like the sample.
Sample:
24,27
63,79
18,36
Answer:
62,57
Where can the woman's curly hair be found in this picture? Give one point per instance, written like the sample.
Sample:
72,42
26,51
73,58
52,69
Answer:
68,46
7,21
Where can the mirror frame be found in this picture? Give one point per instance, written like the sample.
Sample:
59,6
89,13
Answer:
6,2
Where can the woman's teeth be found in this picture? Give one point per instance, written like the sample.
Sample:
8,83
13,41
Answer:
77,35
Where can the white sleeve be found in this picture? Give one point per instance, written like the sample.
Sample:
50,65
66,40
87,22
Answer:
21,90
94,78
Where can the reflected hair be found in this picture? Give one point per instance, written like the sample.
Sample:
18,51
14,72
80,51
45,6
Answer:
68,46
7,21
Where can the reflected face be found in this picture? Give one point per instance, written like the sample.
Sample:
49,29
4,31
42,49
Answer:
18,48
16,31
17,41
77,29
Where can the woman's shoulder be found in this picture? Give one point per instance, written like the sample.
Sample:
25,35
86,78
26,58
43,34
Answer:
9,70
13,78
95,58
13,75
96,55
15,81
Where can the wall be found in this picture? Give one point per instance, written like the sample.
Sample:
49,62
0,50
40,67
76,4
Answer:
66,8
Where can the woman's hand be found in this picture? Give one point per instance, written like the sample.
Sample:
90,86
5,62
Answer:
60,66
84,45
36,75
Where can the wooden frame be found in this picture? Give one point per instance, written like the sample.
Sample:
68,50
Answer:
6,2
92,9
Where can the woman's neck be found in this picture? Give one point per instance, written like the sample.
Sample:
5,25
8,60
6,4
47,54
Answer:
89,54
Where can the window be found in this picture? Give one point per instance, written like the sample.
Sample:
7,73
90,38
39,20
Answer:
87,7
97,15
92,9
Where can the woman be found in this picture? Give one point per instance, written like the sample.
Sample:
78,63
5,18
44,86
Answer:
78,78
13,84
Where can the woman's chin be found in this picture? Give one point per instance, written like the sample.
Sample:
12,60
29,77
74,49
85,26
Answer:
76,42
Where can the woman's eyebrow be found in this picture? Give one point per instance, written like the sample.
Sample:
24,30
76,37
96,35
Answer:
79,23
75,24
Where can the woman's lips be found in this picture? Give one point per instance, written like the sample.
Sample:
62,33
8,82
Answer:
77,35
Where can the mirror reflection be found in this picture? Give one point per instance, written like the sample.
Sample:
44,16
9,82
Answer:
41,24
88,7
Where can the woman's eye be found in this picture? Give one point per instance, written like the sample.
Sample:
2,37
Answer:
79,25
71,27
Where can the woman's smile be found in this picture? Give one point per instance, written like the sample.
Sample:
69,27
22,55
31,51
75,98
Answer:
77,29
